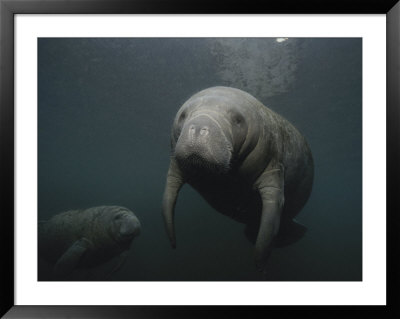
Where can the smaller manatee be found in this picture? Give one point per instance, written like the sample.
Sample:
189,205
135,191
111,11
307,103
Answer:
84,239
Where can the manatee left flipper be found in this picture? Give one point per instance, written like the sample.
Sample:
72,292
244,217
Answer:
70,259
270,186
98,274
121,260
290,231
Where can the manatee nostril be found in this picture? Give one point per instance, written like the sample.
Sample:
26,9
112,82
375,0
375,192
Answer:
192,132
204,131
130,228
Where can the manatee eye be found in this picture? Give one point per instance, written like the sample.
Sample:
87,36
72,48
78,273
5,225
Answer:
182,116
238,119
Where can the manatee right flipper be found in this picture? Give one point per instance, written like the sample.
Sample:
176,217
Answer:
173,185
70,259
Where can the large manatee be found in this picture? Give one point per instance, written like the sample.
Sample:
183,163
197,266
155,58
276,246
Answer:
248,162
86,238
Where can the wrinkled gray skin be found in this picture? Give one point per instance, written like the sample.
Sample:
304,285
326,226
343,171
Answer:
248,162
86,238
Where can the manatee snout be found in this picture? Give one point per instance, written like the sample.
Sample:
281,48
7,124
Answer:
128,225
203,146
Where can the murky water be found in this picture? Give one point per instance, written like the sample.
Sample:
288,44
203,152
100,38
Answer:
105,111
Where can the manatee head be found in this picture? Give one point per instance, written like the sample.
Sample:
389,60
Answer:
123,223
208,132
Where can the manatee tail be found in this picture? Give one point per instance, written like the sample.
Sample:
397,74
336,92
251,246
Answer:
251,232
290,232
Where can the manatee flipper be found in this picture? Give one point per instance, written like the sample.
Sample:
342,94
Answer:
104,273
121,260
172,187
270,186
290,232
70,259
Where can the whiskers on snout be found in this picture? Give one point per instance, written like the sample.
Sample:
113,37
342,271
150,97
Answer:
203,148
194,164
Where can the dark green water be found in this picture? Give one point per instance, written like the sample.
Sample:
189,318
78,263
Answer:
105,110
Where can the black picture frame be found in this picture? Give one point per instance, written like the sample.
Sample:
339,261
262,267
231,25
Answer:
9,8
